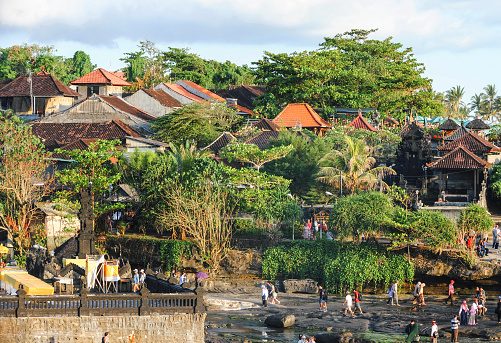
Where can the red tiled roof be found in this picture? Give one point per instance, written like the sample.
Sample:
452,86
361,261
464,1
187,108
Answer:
122,105
220,142
100,77
460,158
70,132
162,97
460,132
301,113
121,75
472,142
360,123
43,85
266,125
202,90
242,109
180,90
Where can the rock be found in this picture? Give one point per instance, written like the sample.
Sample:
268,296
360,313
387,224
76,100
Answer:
280,320
341,338
300,286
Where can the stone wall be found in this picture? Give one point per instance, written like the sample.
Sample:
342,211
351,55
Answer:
173,328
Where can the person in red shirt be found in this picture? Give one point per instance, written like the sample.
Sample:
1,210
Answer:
357,302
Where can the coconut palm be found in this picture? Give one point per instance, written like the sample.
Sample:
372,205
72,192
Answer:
354,166
454,102
477,104
491,99
184,155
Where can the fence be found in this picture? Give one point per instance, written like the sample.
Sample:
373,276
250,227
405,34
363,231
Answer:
85,304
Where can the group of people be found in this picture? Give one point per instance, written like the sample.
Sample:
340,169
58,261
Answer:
310,230
303,339
138,280
268,291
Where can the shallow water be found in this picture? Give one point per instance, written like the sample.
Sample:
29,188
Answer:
257,331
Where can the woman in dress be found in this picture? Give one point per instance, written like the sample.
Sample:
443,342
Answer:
473,313
463,313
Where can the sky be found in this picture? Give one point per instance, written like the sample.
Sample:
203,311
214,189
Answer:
458,41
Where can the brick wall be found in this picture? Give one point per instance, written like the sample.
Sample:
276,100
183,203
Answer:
176,328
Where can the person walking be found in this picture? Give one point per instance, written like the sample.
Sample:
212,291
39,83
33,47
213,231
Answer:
412,331
463,313
395,294
473,313
421,295
451,293
454,329
434,331
481,302
495,237
183,279
498,310
357,301
272,292
264,296
349,303
390,295
322,299
416,293
135,281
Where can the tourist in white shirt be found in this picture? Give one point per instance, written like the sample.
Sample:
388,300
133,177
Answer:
349,303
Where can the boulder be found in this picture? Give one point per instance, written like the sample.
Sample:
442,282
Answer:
300,286
280,320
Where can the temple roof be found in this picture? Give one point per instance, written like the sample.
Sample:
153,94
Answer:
460,132
266,124
472,142
459,158
448,125
477,124
361,123
300,115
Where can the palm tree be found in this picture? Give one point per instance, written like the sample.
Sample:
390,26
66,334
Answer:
477,104
353,166
184,155
454,102
490,98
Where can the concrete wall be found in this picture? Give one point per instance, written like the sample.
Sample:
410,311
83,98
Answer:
147,329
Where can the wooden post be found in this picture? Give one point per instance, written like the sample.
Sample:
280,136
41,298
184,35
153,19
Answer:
144,309
21,303
475,172
84,309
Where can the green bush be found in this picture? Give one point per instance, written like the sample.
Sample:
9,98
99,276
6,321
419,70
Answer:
475,217
246,226
338,265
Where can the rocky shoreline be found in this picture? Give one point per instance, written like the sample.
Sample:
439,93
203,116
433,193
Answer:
243,304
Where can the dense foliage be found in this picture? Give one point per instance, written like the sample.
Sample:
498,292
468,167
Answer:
349,70
475,217
339,266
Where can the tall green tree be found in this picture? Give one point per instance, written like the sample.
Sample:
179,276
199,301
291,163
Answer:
477,104
491,101
353,166
349,70
454,102
250,153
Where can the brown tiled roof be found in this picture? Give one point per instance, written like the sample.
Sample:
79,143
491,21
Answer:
300,113
4,82
459,158
448,125
360,123
201,89
477,124
263,139
180,90
64,133
81,144
100,77
244,94
266,124
43,85
412,128
162,97
242,109
122,105
460,132
220,142
472,142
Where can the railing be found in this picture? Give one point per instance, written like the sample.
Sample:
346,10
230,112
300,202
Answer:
115,304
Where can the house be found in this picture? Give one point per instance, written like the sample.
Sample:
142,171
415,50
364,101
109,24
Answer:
448,127
361,123
244,94
38,96
266,124
153,101
459,132
301,115
60,223
99,82
187,92
105,108
220,142
262,139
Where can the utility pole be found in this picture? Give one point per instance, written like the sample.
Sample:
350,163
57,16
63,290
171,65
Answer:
341,181
30,81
